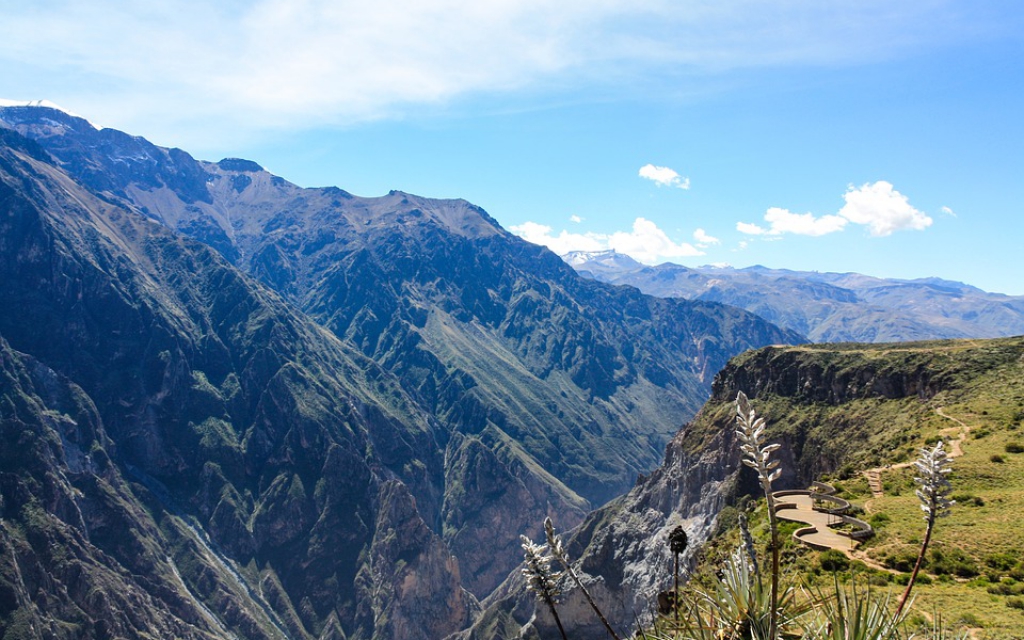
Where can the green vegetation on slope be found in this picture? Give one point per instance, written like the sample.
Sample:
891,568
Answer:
873,407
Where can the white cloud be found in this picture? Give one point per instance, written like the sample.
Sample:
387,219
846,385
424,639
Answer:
663,176
750,229
646,242
948,211
803,224
562,243
702,237
877,206
882,209
575,219
292,64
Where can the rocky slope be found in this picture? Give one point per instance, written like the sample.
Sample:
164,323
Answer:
826,307
830,406
246,471
552,392
185,455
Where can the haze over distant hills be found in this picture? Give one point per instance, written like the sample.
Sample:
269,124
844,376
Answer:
826,307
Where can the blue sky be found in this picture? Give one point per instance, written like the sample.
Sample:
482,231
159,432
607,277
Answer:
884,138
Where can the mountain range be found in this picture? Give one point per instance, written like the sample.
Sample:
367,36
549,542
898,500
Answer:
231,406
825,307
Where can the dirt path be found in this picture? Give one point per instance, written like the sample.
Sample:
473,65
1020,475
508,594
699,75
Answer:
956,449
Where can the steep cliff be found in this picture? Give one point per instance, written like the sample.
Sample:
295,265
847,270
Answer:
186,455
829,406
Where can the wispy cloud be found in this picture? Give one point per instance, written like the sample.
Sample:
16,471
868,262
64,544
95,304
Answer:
877,206
305,63
663,176
782,221
645,242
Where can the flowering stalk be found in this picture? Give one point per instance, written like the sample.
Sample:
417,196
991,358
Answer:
757,456
933,467
558,551
540,579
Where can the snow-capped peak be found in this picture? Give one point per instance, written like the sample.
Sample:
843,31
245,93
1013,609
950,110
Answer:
46,104
607,258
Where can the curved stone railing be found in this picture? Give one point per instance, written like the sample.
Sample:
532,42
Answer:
863,530
821,492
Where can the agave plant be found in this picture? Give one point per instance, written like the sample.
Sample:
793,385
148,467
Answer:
757,455
738,606
854,614
933,468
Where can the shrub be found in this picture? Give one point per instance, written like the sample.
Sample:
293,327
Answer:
833,561
1014,447
879,519
900,561
1015,603
998,459
954,562
1007,588
1017,572
971,620
969,500
1003,561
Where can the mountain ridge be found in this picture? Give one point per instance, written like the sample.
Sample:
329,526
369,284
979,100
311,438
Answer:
826,307
397,378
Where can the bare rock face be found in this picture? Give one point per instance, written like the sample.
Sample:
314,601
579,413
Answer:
61,500
412,583
623,547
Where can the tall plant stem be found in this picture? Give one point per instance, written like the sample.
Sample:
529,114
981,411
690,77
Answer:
675,586
773,522
586,594
550,602
558,551
917,566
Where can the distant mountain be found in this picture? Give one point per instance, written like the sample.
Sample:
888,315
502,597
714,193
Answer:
338,422
826,307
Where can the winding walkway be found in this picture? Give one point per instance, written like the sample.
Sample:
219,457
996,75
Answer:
800,508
